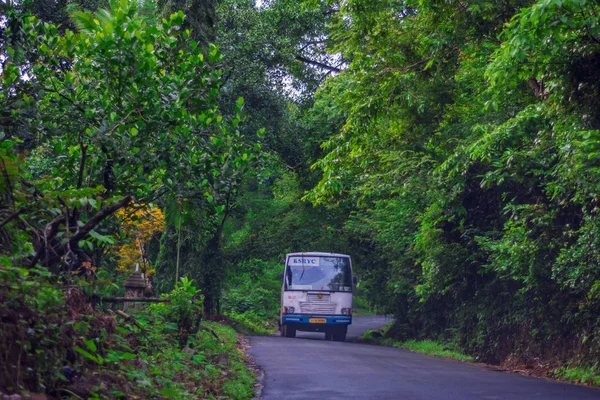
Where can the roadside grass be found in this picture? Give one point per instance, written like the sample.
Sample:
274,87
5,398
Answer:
433,348
428,347
212,366
239,382
249,323
579,374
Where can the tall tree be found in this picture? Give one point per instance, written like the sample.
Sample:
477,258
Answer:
124,113
473,179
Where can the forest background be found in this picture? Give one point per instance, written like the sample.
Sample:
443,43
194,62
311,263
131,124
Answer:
452,148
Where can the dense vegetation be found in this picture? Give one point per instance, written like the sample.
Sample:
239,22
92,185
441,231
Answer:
451,148
468,157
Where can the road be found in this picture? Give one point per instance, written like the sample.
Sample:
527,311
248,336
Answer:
308,367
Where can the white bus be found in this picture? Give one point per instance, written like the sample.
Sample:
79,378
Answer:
316,294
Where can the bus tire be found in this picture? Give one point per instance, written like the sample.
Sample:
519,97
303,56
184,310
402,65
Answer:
339,335
288,331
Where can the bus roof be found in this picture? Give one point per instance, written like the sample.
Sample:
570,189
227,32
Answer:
316,253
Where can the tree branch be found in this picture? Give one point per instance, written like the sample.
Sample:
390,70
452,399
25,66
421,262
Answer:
408,68
30,185
81,165
100,215
130,299
318,64
12,216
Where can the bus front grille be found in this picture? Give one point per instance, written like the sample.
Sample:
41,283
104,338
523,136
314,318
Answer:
318,298
320,307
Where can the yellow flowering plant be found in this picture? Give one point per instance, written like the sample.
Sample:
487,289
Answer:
139,227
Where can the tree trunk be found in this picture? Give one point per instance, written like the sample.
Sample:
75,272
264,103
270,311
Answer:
213,273
200,18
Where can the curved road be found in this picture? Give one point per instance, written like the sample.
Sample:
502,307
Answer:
308,367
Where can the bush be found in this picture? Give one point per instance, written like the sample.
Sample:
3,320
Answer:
32,312
253,295
184,312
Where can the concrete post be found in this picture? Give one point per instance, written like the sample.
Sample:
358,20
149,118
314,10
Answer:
134,288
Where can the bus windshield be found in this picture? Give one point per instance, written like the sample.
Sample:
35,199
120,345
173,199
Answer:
318,273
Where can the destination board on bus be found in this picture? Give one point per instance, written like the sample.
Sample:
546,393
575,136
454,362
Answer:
303,261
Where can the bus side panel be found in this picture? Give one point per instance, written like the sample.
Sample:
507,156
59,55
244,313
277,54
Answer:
281,302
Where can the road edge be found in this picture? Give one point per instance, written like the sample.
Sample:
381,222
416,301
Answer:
250,362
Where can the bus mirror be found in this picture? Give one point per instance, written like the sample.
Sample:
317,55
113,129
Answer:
281,276
354,280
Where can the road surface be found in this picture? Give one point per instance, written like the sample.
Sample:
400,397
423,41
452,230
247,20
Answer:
308,367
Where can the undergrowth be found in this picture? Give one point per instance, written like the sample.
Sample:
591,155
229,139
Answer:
251,301
428,347
55,342
579,374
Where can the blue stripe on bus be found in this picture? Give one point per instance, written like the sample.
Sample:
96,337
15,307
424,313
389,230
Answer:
304,319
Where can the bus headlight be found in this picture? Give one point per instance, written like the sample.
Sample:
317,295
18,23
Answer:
288,310
347,311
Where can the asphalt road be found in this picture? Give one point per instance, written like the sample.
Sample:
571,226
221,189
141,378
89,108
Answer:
308,367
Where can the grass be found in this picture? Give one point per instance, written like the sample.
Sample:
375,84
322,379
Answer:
579,374
250,324
214,368
239,382
428,347
434,349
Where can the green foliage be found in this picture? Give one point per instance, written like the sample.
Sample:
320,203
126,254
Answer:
577,374
209,365
123,105
468,153
270,221
429,347
126,106
33,311
434,349
183,313
177,88
253,295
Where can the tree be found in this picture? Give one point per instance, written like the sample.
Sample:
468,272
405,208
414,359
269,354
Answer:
127,109
468,156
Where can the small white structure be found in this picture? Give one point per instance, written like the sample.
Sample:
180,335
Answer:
134,288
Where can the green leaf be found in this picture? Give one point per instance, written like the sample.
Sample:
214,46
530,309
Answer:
91,345
102,238
87,355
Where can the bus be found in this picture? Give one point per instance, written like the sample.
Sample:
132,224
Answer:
316,294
